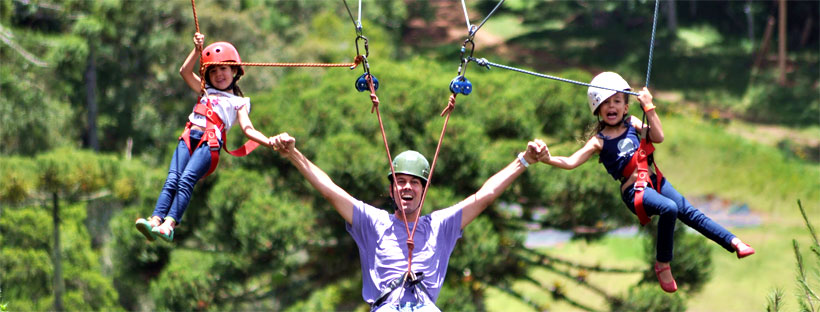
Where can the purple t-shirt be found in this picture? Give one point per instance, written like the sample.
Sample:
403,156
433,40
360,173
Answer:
382,241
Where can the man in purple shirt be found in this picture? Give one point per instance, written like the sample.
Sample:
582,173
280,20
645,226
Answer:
387,284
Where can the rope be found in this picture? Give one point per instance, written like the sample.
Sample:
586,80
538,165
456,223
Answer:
447,111
400,202
201,66
352,65
486,63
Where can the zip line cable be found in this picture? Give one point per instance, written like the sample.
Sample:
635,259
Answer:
645,119
652,43
472,29
357,24
485,63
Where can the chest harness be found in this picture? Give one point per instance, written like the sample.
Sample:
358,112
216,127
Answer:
213,124
640,161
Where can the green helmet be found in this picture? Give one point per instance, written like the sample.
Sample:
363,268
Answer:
412,163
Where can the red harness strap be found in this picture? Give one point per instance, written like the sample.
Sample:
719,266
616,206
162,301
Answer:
212,124
640,162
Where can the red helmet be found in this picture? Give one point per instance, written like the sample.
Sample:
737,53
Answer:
222,52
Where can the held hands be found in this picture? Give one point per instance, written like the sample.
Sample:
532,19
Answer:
283,143
645,98
545,155
536,151
199,40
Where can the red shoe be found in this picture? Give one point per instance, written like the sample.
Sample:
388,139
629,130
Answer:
667,287
743,250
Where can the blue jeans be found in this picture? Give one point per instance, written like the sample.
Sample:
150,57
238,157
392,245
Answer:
670,205
185,170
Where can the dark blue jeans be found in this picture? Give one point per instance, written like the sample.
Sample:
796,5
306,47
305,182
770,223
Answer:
185,170
670,205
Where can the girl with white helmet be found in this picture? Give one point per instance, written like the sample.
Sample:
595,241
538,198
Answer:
624,148
197,152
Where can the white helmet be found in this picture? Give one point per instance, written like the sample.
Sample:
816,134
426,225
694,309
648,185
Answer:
607,80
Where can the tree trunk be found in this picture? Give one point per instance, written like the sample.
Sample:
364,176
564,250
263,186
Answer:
764,44
91,99
672,13
750,27
781,44
59,283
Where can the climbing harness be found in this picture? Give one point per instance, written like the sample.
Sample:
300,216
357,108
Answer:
407,280
213,125
640,161
213,122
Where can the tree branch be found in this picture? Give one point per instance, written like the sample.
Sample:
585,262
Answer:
8,38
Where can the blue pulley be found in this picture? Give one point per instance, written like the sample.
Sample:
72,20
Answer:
361,83
466,87
461,85
455,85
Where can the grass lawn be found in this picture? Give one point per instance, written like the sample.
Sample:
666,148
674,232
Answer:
736,285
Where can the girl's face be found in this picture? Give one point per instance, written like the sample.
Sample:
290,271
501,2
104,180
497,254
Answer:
221,76
613,109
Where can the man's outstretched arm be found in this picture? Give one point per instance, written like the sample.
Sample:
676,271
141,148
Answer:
339,198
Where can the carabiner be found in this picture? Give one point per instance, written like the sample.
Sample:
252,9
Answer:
366,46
462,68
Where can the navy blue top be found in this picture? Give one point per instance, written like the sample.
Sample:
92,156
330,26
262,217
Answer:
617,152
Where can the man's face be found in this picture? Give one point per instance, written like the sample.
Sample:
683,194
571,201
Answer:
407,191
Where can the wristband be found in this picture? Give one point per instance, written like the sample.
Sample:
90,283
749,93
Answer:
522,160
648,107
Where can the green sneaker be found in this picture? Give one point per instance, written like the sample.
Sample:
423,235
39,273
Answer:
164,233
145,228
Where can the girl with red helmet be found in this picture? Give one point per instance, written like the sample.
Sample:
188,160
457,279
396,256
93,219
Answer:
197,153
626,156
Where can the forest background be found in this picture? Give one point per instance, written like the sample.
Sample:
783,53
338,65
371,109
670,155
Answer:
91,106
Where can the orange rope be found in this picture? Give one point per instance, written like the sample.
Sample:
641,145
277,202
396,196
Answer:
450,106
375,99
352,65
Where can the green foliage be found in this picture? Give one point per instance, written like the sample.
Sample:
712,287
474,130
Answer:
255,236
25,258
457,294
650,298
19,179
808,296
796,105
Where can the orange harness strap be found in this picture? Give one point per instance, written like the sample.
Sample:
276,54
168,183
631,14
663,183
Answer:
213,123
640,162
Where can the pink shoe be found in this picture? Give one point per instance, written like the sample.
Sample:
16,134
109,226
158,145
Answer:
667,287
743,250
